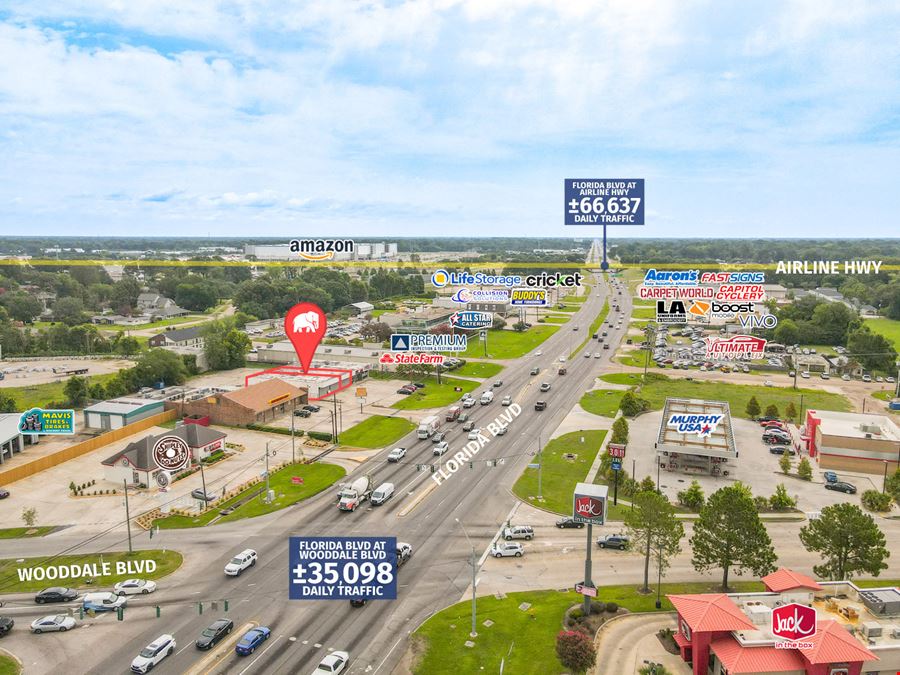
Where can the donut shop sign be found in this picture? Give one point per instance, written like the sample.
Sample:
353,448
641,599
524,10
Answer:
589,503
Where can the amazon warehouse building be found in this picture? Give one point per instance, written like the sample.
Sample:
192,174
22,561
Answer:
696,437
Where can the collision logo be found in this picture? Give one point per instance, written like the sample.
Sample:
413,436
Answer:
320,249
466,295
702,425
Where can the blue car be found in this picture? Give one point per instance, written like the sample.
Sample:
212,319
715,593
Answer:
830,477
252,639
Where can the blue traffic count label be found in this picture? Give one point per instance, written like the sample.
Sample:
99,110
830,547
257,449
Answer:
343,568
604,201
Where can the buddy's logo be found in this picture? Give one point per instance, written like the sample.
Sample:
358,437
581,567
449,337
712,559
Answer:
793,622
321,249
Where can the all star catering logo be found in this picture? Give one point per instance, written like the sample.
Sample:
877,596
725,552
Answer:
471,320
171,453
702,425
670,312
51,422
320,249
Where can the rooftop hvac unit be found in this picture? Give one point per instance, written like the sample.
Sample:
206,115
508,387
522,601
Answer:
871,629
895,632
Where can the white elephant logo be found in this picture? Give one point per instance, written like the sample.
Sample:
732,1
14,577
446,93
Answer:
306,322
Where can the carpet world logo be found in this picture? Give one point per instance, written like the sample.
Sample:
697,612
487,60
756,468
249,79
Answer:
793,622
321,249
702,425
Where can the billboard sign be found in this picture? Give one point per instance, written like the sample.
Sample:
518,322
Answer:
604,201
589,503
342,568
616,450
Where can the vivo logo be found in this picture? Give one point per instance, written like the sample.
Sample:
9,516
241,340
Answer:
753,321
793,622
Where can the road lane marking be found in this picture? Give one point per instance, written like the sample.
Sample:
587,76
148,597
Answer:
182,649
250,665
209,662
388,654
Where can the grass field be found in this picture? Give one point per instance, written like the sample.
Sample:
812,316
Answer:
436,395
557,319
166,563
643,313
559,475
660,387
316,477
508,344
480,369
8,665
636,357
39,395
565,308
376,432
887,327
155,324
604,402
26,532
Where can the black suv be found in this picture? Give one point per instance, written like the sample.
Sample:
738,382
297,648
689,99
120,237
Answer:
619,541
540,405
6,625
302,412
569,522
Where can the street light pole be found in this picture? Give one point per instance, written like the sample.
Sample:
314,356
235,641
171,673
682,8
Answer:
293,416
658,581
267,472
203,479
127,516
540,494
884,479
473,633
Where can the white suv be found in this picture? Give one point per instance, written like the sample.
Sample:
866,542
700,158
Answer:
240,562
153,653
507,549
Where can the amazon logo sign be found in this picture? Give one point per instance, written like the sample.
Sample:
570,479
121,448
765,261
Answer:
321,249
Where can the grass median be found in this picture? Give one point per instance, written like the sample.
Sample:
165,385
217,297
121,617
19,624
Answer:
41,395
479,369
436,395
603,402
8,665
376,432
166,562
594,327
559,474
316,477
26,532
508,344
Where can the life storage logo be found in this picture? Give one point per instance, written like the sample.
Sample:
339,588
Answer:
321,249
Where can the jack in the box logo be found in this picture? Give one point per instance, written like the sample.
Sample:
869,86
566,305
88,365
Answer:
793,622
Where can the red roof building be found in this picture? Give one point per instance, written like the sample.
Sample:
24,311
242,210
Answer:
784,579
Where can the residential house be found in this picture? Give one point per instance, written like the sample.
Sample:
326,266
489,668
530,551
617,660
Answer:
178,337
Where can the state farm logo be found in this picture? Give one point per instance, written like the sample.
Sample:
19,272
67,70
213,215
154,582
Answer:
793,622
171,453
588,507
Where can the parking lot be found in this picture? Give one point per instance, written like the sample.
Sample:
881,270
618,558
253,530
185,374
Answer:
24,373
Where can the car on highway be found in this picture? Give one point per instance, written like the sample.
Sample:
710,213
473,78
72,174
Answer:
134,587
463,418
535,371
606,346
56,594
498,384
545,386
507,400
213,634
396,454
404,553
502,431
507,549
103,602
240,562
334,663
596,355
569,522
587,355
540,405
538,353
203,496
52,624
252,639
358,602
153,653
438,436
841,486
469,403
525,532
619,541
468,426
440,448
474,433
6,625
562,359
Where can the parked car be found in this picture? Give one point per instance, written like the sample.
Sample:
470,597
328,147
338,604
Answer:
134,587
781,449
619,541
300,412
568,522
772,424
240,562
405,392
418,385
440,448
866,378
334,663
4,493
804,375
545,386
56,594
252,639
153,653
6,625
525,532
396,454
830,477
312,407
203,496
776,440
767,418
52,624
841,486
213,634
507,549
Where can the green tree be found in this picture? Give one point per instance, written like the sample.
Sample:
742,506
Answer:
575,650
781,500
197,296
519,326
692,498
632,405
848,541
772,410
224,345
804,469
619,431
873,351
124,294
69,310
76,391
790,412
97,391
654,529
21,306
874,500
729,534
892,485
784,463
647,485
127,345
753,410
29,516
7,403
156,365
786,332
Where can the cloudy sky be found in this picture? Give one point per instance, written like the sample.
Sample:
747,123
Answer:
442,117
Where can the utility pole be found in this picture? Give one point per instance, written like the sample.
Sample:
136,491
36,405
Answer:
474,632
127,516
634,478
267,472
293,417
203,480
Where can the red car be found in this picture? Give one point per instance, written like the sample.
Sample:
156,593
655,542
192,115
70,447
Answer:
773,424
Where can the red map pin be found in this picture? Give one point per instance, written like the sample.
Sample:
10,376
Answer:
305,326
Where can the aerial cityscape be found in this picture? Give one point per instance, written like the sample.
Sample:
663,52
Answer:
314,358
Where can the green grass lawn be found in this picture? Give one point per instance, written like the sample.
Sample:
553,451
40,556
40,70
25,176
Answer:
604,402
576,298
479,369
436,395
8,665
660,387
508,344
378,312
26,532
155,324
39,395
166,562
316,477
887,327
565,308
559,475
643,313
376,432
556,319
634,358
886,395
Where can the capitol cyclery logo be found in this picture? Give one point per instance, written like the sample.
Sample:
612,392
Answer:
702,425
320,249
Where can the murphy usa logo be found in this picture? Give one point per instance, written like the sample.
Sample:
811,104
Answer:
702,425
793,622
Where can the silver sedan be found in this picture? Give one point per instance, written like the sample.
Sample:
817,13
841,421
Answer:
49,624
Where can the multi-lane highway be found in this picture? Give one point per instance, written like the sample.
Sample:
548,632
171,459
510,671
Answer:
436,576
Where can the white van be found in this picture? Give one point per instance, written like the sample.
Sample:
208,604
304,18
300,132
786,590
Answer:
103,602
240,562
487,397
382,493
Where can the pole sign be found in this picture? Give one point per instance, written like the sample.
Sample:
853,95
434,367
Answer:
342,568
589,503
616,465
583,589
604,201
616,450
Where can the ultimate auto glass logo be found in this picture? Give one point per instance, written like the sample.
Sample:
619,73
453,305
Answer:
320,249
442,277
702,425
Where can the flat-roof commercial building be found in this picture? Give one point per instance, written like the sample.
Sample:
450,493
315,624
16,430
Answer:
117,412
11,439
257,403
842,441
421,320
696,437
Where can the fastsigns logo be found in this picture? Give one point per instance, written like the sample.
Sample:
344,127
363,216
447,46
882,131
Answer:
702,425
793,622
